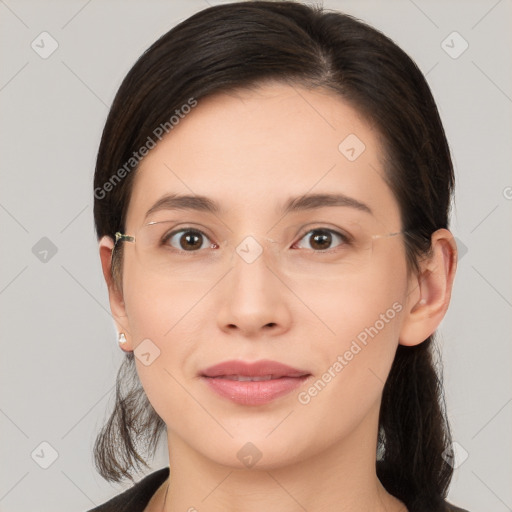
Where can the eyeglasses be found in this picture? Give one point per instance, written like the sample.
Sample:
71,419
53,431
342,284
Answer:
187,253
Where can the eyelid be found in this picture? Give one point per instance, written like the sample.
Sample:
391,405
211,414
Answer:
188,226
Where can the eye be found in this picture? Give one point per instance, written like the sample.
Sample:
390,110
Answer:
321,239
187,239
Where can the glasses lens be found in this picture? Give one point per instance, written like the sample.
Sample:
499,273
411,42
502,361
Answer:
188,254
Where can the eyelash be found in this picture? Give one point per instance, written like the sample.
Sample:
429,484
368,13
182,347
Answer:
344,238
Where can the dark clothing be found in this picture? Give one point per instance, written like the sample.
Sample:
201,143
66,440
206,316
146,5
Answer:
137,497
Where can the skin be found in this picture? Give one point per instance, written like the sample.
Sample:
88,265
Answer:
251,151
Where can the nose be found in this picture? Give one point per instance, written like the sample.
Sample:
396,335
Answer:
254,301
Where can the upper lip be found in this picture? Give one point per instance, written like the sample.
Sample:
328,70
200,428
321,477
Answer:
253,369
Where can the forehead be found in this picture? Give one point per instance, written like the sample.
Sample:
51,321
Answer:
251,150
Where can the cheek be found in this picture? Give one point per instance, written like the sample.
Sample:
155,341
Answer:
352,365
165,322
364,331
156,307
359,319
343,307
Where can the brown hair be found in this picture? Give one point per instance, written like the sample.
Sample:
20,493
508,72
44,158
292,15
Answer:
241,45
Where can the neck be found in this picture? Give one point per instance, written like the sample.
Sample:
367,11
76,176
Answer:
342,477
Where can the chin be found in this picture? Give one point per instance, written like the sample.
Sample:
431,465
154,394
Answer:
257,453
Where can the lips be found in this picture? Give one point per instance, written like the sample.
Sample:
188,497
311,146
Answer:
253,383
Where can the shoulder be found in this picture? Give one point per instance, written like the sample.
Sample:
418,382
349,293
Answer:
136,497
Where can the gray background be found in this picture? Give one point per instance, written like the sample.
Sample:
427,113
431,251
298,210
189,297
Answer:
59,354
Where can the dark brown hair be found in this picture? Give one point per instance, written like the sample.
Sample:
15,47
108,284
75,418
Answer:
242,45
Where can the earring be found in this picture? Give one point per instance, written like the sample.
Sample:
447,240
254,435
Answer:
122,338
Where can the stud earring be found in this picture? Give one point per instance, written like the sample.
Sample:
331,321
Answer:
122,338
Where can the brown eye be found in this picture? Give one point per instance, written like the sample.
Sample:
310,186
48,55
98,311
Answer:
322,239
190,240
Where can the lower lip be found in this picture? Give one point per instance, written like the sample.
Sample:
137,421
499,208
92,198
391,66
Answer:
254,392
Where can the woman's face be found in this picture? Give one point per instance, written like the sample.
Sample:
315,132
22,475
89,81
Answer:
334,315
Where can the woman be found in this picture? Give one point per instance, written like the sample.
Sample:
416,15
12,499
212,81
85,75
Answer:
272,193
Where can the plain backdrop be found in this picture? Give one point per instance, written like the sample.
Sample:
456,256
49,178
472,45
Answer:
59,354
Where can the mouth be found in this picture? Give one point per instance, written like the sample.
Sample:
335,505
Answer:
246,378
254,383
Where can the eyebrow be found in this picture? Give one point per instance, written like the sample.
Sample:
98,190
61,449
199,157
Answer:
293,204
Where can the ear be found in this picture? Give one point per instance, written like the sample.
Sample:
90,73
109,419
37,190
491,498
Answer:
430,290
115,295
